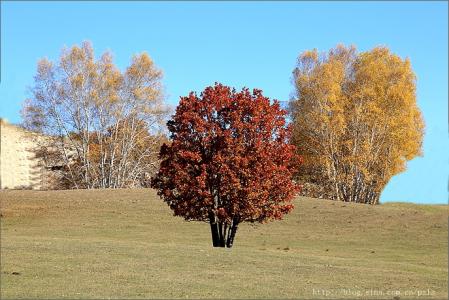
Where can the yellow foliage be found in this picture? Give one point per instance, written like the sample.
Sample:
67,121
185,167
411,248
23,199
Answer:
356,121
105,116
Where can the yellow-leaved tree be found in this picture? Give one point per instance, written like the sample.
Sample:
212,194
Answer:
356,121
104,126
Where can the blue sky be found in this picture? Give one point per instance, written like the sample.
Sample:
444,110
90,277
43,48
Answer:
253,44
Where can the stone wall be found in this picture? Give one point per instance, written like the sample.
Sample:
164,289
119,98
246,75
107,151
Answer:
19,167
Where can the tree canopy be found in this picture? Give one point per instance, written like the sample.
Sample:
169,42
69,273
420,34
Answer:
229,161
356,120
105,123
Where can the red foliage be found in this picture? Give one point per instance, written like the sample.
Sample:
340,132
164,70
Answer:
230,159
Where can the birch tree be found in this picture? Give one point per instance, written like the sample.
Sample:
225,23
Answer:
356,120
105,125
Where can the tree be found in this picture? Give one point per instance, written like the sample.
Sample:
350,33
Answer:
356,121
229,161
104,124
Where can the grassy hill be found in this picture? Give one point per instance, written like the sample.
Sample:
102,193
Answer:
127,244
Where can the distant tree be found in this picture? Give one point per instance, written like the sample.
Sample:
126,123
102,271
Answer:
356,121
132,168
105,124
229,161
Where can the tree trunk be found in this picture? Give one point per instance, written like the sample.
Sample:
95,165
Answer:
231,234
214,230
221,235
225,234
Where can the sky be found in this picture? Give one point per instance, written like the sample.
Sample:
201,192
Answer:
252,44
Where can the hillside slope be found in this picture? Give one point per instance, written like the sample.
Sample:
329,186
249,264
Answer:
127,244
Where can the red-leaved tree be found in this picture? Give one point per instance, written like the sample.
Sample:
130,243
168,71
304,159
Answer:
229,161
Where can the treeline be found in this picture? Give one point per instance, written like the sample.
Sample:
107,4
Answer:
354,119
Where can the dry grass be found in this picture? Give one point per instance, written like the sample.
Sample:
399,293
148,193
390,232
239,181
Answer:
126,244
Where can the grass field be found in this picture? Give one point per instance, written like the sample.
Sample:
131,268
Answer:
127,244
